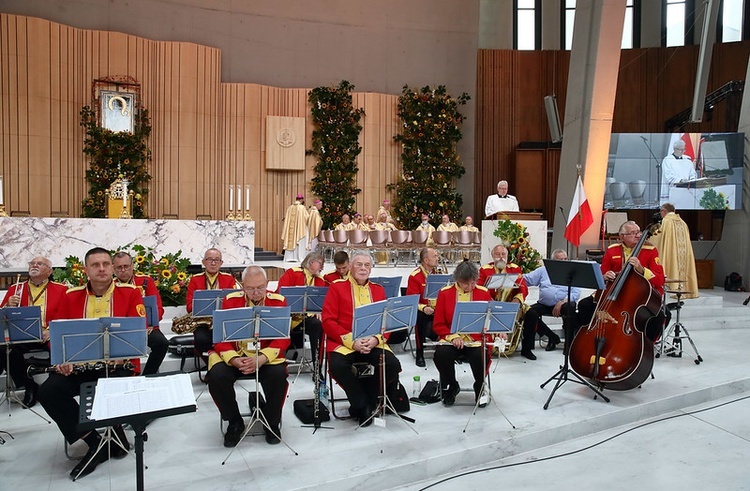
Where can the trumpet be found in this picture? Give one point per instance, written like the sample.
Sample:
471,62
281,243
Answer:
32,370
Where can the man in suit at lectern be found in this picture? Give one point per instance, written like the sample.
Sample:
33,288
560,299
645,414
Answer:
502,201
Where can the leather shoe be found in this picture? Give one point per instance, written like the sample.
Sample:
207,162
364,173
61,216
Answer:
450,393
116,450
234,434
29,397
551,346
420,362
364,418
89,462
272,439
529,355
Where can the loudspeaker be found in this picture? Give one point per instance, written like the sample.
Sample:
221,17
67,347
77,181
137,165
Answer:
553,118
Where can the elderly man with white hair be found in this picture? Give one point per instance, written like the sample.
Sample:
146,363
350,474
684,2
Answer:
502,201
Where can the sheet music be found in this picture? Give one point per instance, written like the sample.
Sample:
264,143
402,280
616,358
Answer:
124,396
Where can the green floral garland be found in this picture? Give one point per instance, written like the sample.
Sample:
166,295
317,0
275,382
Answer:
335,144
113,154
431,129
711,200
169,272
516,238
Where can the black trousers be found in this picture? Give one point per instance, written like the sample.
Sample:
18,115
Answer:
18,362
159,346
422,331
363,392
567,312
203,337
57,397
445,362
313,328
272,378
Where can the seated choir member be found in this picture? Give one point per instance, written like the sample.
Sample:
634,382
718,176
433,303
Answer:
39,291
452,346
469,225
101,296
346,223
447,225
415,285
344,351
341,263
307,274
157,342
210,279
229,360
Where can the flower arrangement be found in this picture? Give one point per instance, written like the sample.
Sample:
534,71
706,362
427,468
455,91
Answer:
711,200
335,145
168,272
113,154
516,238
430,132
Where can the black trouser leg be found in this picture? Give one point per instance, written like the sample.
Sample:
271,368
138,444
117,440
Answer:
314,329
423,330
445,362
159,346
361,392
203,338
57,397
530,321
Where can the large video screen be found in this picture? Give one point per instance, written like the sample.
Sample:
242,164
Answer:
693,171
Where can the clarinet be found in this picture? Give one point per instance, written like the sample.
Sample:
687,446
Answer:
316,396
79,368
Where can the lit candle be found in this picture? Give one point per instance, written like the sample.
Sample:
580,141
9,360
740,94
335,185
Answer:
2,198
231,198
247,198
239,199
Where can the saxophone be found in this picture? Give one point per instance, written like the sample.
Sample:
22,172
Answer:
188,323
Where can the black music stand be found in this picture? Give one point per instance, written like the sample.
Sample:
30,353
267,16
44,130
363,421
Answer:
379,318
305,300
98,340
582,274
253,324
150,397
484,318
19,325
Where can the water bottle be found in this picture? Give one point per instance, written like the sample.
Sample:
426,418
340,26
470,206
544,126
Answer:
323,393
416,386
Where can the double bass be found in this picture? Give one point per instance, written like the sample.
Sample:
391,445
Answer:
616,350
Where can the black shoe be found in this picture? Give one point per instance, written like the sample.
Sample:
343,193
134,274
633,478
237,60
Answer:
89,462
450,393
272,439
420,362
364,418
116,450
529,355
551,346
29,397
234,434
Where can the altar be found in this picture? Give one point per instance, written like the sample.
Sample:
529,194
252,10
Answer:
21,239
537,237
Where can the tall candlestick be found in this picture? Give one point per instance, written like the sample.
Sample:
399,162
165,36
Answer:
231,198
239,199
2,198
247,198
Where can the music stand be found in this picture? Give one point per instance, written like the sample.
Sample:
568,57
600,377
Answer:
379,318
305,300
98,340
206,301
391,285
434,283
484,318
253,324
19,325
152,310
583,274
501,281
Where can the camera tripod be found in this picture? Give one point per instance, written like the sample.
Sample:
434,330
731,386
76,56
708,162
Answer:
671,343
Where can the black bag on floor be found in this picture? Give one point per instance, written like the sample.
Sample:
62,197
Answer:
733,283
182,345
304,409
431,392
400,399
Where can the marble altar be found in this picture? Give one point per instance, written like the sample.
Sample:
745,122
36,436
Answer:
57,238
537,234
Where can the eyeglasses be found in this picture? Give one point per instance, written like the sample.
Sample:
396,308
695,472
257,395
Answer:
37,263
123,267
255,290
212,259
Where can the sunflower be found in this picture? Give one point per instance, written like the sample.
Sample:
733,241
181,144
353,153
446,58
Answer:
181,276
139,259
166,274
175,288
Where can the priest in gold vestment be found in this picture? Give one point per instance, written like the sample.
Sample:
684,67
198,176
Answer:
676,252
314,225
294,233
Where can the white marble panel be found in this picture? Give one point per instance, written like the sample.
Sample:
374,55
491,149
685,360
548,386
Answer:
537,233
56,238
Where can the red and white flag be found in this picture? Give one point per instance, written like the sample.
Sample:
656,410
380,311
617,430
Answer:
579,217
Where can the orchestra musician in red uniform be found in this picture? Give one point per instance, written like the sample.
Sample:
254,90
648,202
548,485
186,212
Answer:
341,263
101,296
40,291
229,360
415,285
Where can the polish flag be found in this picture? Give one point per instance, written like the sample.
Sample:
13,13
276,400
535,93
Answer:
691,140
579,217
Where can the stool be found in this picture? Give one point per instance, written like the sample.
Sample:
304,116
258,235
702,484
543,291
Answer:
363,369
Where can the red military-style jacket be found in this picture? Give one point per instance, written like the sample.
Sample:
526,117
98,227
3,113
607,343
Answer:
296,277
225,281
273,349
519,292
338,314
148,288
415,286
333,276
446,306
127,301
615,257
54,297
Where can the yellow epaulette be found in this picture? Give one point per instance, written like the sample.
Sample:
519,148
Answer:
613,245
124,285
489,266
235,294
142,275
647,246
511,265
480,287
274,296
74,288
448,287
223,273
415,271
340,280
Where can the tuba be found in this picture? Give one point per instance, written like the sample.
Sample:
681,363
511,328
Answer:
188,323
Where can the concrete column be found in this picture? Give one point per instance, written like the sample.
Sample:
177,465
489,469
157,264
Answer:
590,101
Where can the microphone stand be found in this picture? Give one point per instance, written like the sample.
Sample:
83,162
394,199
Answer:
658,170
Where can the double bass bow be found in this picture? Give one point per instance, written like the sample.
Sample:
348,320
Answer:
615,350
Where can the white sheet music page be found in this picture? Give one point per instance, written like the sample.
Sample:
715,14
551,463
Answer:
124,396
